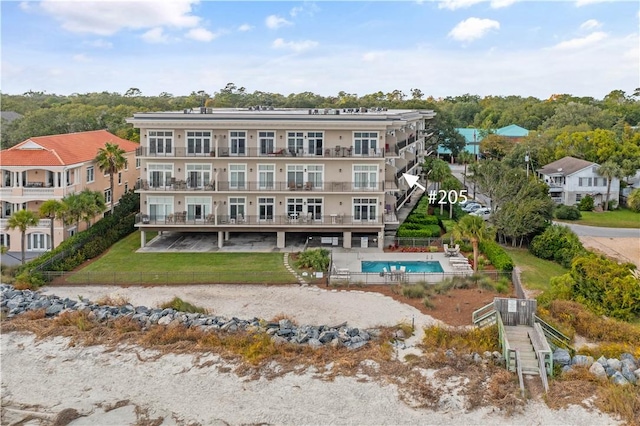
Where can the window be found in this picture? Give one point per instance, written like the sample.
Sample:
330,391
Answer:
295,142
295,176
198,175
294,206
5,240
365,143
126,187
119,178
236,207
38,242
589,182
266,142
237,176
160,142
107,195
68,177
314,208
265,208
159,207
314,143
364,209
137,163
365,177
90,174
266,176
198,207
198,142
315,175
238,143
160,175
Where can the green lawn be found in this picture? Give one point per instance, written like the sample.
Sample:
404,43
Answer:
536,272
621,218
122,265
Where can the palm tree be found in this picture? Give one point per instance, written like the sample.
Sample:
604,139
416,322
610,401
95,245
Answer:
52,210
111,159
474,229
91,204
609,170
22,220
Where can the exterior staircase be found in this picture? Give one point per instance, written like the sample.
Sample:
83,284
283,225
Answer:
518,338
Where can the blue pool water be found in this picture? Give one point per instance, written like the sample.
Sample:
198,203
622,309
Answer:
411,266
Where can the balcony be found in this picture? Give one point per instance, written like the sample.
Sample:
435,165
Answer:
42,224
36,190
212,220
335,152
226,186
406,168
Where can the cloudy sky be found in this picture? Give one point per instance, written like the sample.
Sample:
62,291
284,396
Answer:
444,48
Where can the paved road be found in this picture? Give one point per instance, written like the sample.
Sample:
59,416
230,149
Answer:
596,231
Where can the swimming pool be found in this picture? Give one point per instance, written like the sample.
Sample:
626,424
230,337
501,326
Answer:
411,266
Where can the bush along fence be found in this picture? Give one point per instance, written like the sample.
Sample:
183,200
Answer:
15,302
86,244
358,279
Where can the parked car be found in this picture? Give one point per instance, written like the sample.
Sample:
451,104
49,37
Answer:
483,212
471,207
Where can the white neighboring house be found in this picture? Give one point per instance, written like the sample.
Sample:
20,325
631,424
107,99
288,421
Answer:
571,179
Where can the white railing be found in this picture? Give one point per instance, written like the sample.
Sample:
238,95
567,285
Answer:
42,223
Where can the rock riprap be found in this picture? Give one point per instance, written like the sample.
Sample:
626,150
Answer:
622,371
15,302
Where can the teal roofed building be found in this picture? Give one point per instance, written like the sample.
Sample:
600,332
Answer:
473,136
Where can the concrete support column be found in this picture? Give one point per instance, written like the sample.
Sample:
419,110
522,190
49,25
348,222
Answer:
220,239
226,236
346,239
143,239
381,239
281,239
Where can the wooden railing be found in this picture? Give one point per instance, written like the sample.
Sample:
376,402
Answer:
519,370
552,333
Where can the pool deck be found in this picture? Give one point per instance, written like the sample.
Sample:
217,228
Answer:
352,261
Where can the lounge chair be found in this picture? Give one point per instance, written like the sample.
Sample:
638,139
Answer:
403,269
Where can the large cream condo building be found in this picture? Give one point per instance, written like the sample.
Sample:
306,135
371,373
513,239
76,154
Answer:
327,172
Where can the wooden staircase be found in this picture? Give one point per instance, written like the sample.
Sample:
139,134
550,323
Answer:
518,339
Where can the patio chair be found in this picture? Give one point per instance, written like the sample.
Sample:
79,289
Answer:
403,269
308,186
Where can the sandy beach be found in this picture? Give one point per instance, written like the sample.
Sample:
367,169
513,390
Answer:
46,380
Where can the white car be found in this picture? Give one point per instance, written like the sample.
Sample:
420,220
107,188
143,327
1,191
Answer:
483,212
471,207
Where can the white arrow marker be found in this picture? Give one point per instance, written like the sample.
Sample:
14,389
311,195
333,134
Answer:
412,181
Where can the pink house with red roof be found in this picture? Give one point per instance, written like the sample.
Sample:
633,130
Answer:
52,167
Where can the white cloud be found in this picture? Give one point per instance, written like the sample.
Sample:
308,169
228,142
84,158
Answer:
581,42
296,46
307,8
590,24
80,58
274,22
372,56
99,43
463,4
155,35
580,3
200,34
245,27
457,4
107,18
473,28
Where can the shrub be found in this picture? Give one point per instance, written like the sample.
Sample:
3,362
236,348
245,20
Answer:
427,231
567,213
612,205
586,204
317,259
557,243
633,201
470,340
496,255
426,301
413,291
181,306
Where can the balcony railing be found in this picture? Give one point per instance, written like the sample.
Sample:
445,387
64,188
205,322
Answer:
211,220
406,168
333,152
226,186
42,223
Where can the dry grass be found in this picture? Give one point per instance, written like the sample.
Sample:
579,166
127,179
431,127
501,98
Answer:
580,387
504,391
463,340
113,300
